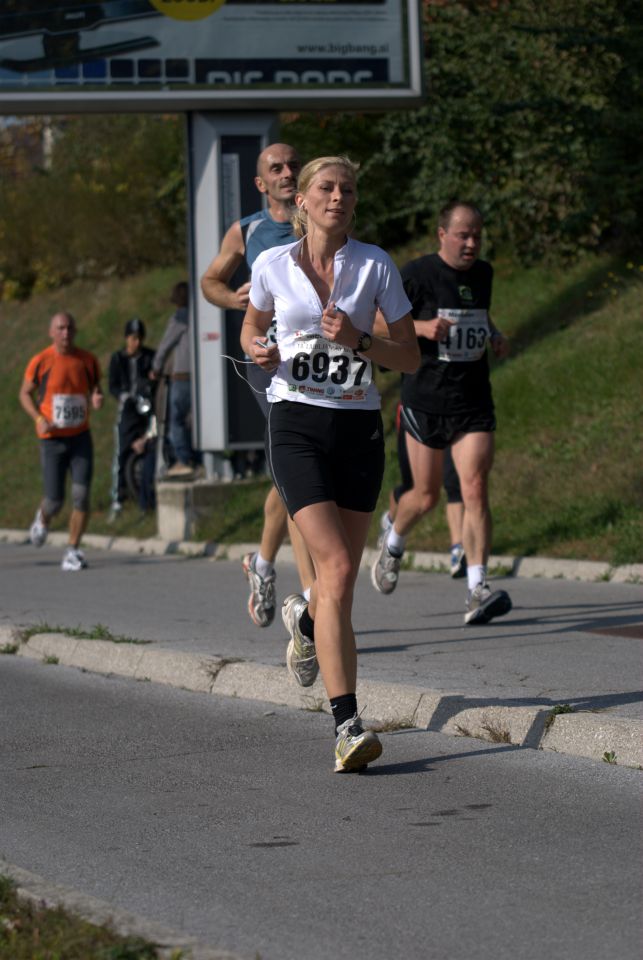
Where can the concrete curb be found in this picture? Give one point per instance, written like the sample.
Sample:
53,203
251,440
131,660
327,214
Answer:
34,888
386,705
545,567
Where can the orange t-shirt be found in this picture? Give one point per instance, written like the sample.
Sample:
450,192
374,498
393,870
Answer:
64,382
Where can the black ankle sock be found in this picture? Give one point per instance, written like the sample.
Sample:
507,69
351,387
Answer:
307,625
343,708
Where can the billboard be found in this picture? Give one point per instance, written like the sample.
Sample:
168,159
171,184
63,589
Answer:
167,55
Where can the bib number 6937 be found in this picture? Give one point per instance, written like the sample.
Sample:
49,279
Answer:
319,367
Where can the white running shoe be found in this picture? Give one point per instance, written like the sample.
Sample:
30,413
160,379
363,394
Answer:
355,747
483,605
261,602
458,562
301,658
73,560
38,531
385,569
385,522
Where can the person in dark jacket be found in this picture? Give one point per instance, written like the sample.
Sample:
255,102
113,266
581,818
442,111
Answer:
176,341
131,386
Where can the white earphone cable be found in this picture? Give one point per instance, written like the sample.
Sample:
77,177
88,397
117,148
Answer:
245,363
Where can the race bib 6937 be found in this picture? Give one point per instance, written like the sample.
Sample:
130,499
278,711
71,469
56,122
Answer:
323,368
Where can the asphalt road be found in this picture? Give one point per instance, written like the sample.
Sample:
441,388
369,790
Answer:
221,817
564,641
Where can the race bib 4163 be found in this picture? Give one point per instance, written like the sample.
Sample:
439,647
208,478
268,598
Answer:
467,336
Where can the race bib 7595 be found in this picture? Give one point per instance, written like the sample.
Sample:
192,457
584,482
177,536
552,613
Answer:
69,410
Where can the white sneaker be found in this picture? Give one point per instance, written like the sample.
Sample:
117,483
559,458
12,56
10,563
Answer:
301,657
73,559
115,511
385,569
483,605
355,747
261,603
38,531
458,562
385,522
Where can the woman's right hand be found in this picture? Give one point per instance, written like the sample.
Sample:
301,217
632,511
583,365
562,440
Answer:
265,354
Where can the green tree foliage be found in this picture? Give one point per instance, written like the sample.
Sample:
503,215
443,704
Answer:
110,198
533,110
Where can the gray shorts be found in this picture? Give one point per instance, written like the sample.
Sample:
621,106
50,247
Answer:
60,454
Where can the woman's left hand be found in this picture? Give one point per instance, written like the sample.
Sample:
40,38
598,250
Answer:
336,326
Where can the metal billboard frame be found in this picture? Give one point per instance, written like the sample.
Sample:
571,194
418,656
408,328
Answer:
22,92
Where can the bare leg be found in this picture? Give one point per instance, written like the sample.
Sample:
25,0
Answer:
305,567
274,526
473,457
455,519
426,467
77,525
335,540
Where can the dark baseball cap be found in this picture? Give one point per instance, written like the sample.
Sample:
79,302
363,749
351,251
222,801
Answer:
135,325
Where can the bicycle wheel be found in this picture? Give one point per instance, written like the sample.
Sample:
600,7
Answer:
133,474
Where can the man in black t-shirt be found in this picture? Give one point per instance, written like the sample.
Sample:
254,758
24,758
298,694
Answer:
448,402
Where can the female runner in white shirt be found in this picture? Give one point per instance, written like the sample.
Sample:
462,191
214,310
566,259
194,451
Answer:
324,436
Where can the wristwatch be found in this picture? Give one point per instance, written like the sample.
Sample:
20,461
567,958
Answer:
364,343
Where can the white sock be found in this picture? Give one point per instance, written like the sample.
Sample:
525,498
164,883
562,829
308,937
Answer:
475,575
395,542
263,567
306,594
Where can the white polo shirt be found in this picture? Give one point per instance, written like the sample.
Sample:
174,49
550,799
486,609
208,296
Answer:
312,368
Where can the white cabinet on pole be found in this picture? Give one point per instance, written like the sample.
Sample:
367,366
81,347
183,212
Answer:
222,157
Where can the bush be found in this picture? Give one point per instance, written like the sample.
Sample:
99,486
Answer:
110,200
533,111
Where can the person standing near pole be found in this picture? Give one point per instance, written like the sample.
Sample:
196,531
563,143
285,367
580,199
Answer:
176,341
449,402
130,385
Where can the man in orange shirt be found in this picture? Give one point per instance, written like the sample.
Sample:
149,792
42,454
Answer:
60,384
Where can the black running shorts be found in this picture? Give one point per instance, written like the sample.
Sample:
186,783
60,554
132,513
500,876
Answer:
450,479
438,432
317,454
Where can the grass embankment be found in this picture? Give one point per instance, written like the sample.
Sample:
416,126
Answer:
567,478
30,931
101,310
